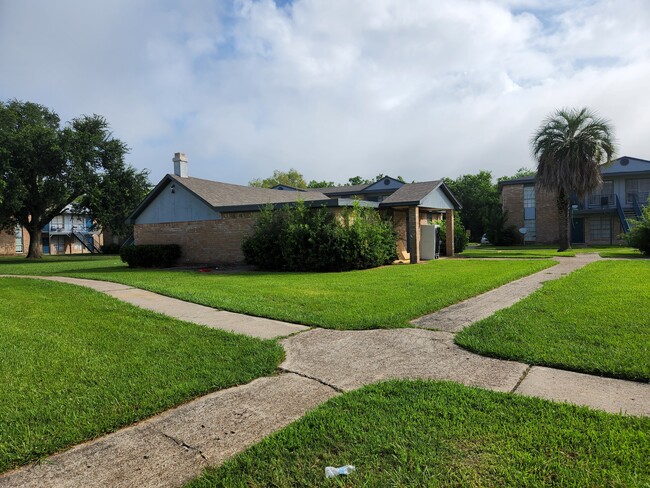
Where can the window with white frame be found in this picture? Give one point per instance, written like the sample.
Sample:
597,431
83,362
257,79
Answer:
529,213
531,230
19,239
56,224
599,228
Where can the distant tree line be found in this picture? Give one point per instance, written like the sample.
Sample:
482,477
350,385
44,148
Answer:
295,179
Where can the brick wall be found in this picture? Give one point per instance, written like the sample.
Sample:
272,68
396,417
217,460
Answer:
7,244
399,223
512,200
546,216
202,242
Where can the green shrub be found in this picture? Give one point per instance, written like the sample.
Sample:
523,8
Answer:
110,249
498,232
299,238
150,255
639,235
460,236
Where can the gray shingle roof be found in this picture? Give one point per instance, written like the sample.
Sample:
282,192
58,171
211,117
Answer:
222,195
343,190
411,192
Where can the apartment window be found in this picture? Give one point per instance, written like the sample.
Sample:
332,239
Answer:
56,224
19,239
599,229
57,245
529,196
639,187
529,213
531,231
603,196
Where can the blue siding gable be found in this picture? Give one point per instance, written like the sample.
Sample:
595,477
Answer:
176,205
627,165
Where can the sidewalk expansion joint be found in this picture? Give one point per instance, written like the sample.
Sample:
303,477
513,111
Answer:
523,377
313,378
183,444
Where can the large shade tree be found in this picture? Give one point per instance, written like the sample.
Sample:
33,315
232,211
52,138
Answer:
46,167
570,147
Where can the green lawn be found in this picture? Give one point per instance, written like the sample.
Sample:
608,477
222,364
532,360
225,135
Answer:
421,433
76,364
596,320
542,251
374,298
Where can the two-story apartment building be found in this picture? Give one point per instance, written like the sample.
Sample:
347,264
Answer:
67,233
600,218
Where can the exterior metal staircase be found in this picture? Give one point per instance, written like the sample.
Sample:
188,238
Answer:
87,243
624,215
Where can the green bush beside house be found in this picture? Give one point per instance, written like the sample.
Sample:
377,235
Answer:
639,235
301,239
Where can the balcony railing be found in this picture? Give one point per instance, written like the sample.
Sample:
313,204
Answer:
600,200
641,197
67,228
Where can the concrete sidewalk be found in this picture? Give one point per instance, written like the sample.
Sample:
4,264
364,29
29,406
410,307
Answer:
174,447
456,317
259,327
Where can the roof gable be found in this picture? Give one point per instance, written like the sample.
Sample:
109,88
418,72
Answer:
626,164
385,184
432,194
226,197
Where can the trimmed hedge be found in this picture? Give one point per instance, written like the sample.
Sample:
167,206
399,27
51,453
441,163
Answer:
302,239
110,249
150,255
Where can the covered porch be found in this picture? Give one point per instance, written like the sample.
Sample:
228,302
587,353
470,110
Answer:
415,208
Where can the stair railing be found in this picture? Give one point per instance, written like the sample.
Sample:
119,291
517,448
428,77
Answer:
636,206
621,216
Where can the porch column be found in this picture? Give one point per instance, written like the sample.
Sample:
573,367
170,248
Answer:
414,234
450,232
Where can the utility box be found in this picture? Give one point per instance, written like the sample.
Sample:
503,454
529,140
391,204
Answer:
429,242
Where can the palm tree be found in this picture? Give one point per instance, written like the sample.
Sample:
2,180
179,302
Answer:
570,147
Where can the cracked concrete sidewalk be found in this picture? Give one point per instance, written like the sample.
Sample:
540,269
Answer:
173,447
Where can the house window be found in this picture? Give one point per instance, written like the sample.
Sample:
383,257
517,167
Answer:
19,239
531,231
57,245
599,229
603,196
77,246
56,224
529,213
529,196
639,187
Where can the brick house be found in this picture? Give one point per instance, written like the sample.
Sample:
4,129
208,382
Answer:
69,232
210,219
600,218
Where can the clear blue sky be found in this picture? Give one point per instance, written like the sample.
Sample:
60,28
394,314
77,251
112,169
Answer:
333,88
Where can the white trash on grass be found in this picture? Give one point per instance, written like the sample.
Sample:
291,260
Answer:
331,471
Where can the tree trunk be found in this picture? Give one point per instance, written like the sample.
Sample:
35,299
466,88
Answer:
563,221
35,232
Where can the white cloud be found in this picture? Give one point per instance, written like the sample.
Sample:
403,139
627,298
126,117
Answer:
333,88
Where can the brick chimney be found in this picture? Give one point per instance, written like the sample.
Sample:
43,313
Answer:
180,164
